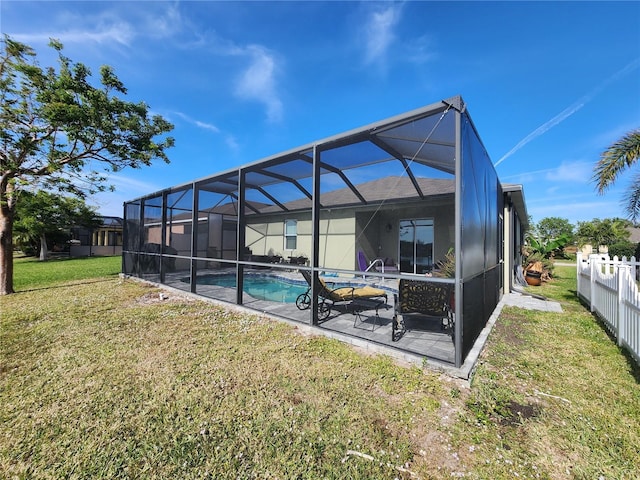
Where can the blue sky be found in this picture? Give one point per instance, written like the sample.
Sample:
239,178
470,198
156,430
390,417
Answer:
549,85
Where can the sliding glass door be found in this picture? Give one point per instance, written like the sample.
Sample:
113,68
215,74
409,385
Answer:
416,245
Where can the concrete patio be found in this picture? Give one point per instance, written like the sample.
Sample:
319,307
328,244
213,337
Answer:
423,344
424,337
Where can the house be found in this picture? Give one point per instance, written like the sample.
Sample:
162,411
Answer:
408,232
401,192
104,240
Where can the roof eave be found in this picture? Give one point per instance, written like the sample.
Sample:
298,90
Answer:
516,193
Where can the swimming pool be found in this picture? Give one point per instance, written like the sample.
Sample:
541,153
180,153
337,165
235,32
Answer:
262,287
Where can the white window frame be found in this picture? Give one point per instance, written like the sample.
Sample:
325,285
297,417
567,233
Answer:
433,246
288,235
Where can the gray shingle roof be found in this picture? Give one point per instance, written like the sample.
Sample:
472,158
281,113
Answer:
392,188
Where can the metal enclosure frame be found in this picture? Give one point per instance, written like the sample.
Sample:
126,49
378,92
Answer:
444,167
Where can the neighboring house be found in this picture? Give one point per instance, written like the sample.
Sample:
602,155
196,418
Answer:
588,249
406,190
634,234
104,240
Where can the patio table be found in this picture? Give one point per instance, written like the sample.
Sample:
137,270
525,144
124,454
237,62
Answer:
360,305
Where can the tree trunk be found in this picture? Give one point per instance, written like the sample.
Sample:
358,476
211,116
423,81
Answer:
44,250
6,251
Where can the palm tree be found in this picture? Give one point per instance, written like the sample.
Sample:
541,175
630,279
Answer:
620,155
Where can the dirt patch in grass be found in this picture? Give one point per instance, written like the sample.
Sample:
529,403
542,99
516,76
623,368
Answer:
160,296
515,413
512,329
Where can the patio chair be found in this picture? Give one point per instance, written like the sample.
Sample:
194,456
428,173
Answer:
422,299
346,296
363,265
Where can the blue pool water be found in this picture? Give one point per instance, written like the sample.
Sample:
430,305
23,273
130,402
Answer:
261,287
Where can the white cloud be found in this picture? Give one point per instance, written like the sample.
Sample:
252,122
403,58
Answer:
198,123
121,33
610,135
229,139
258,81
575,211
108,27
378,37
206,126
166,24
126,188
571,109
232,143
131,185
379,32
575,172
419,51
524,177
568,171
563,115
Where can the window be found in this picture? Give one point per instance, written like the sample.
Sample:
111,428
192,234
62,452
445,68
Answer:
290,234
416,245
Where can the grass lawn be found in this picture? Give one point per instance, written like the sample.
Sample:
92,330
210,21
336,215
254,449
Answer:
103,379
30,273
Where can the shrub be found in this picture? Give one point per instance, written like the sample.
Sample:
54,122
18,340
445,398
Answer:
623,249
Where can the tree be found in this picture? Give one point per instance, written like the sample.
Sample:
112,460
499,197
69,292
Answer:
545,247
619,156
58,132
554,227
603,232
43,216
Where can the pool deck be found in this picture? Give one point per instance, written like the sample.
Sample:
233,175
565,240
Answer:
423,339
426,346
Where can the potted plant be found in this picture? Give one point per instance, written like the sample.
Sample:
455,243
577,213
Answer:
538,256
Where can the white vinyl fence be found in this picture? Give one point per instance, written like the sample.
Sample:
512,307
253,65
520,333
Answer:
609,287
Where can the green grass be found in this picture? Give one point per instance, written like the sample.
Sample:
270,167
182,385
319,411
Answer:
554,396
30,273
103,379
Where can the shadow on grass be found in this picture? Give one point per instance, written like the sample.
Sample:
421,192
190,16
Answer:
634,367
106,278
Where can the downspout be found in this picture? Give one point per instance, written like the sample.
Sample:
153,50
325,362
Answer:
508,247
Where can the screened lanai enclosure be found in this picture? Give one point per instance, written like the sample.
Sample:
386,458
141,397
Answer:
398,233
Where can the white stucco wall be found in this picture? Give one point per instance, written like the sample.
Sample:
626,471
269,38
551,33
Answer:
345,232
337,235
